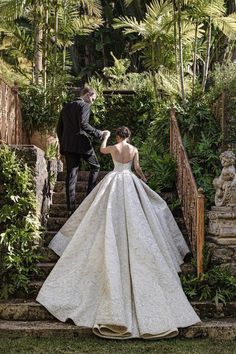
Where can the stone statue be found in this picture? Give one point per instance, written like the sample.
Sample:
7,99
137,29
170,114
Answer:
225,184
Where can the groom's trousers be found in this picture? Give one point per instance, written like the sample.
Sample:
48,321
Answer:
73,162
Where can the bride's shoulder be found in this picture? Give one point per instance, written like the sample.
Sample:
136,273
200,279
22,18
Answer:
132,147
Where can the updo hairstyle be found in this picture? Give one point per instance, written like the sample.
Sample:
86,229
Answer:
123,132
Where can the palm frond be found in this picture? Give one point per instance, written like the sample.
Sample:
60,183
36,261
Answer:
227,25
215,8
188,31
92,7
86,24
11,9
159,8
130,25
128,2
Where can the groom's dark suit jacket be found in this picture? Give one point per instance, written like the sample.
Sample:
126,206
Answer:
73,128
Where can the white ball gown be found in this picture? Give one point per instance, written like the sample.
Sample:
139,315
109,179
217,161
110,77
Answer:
120,254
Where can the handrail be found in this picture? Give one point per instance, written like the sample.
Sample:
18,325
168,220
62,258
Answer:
11,130
191,197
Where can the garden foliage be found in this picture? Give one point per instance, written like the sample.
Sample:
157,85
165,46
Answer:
19,224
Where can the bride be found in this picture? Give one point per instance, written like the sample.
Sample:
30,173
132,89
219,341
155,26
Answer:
120,254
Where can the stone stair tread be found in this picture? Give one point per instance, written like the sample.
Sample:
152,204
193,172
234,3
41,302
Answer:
35,284
60,197
81,186
48,255
40,328
19,301
46,264
82,175
21,309
60,218
220,329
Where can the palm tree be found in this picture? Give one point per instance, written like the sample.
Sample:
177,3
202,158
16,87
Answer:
54,21
158,36
213,15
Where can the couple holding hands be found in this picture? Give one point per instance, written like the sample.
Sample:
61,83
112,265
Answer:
121,249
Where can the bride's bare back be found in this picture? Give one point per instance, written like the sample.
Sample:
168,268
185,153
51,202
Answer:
123,152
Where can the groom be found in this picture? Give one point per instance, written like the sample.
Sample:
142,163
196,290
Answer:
74,133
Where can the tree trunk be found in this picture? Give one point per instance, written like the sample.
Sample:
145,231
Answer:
55,41
45,62
64,58
105,63
176,49
38,36
181,61
206,65
56,32
38,56
195,57
153,71
231,6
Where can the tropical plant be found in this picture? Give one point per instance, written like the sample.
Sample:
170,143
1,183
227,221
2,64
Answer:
213,15
52,26
159,36
180,24
217,284
41,111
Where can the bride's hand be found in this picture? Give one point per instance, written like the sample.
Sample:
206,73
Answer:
106,134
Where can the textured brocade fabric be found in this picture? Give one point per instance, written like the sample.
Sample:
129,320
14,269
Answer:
120,252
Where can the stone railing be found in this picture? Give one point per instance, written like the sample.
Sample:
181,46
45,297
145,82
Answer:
192,198
11,130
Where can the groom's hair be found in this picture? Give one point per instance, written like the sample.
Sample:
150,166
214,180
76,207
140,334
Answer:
88,90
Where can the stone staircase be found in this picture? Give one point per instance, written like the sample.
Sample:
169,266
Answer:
24,316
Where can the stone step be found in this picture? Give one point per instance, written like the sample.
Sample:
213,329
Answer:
224,329
60,187
48,255
60,198
55,223
59,210
33,289
18,310
48,236
30,310
82,175
44,269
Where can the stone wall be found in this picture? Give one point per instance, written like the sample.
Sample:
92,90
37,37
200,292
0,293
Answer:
43,172
223,255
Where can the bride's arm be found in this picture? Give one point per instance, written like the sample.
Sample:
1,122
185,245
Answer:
137,167
104,149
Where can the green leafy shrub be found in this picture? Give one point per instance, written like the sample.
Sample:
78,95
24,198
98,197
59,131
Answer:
202,137
41,107
19,225
224,83
216,284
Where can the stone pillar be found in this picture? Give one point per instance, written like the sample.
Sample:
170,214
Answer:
222,217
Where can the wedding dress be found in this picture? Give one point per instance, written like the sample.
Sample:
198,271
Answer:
120,252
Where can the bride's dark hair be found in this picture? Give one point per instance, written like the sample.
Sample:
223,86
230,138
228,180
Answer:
123,132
